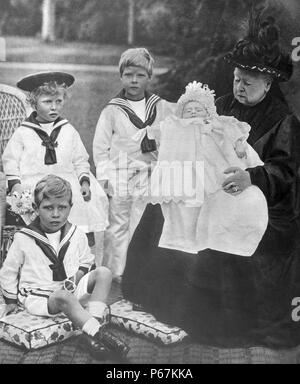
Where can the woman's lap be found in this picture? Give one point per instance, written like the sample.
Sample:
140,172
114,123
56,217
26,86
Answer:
185,289
218,298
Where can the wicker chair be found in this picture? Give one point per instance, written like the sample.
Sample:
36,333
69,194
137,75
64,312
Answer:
13,111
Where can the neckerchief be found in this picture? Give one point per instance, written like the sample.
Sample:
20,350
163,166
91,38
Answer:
47,141
147,145
57,259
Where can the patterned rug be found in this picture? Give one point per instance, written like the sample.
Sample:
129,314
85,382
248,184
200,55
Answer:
143,351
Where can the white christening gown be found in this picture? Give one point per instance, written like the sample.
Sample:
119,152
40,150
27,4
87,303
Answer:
187,182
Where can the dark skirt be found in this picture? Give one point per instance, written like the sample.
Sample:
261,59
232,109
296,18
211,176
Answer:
218,298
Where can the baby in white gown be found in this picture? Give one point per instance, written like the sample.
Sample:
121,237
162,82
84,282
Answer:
196,146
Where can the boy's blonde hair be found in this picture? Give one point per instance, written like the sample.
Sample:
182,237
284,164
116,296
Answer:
136,57
51,89
50,186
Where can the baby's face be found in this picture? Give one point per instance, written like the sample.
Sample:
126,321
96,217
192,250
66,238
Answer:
193,109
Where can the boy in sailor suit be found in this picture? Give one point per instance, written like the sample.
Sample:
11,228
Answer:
123,153
46,143
47,267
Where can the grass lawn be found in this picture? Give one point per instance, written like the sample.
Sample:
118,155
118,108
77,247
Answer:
88,96
91,90
30,49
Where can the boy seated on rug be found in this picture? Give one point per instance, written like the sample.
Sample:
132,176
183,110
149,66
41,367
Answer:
47,269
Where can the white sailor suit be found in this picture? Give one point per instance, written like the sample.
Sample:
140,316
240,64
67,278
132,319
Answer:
33,269
36,150
126,163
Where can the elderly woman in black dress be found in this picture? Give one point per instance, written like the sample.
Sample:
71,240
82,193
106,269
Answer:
220,298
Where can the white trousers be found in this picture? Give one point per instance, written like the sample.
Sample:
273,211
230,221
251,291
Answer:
124,215
125,212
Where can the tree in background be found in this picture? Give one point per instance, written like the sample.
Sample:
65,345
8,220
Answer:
199,32
195,33
5,10
48,20
20,17
131,22
100,21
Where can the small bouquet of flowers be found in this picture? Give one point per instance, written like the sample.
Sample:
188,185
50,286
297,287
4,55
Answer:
21,204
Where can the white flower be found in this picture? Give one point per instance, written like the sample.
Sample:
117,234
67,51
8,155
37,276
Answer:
21,204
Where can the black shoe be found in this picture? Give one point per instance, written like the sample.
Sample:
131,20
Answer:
94,346
113,343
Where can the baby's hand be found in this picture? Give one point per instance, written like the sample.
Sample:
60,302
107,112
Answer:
85,191
240,149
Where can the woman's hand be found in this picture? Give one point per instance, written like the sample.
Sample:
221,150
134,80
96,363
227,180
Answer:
238,182
85,191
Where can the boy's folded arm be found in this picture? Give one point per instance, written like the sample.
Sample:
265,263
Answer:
83,270
102,144
80,273
86,258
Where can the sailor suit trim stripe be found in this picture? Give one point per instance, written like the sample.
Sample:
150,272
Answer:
147,145
56,258
28,269
48,141
30,124
9,295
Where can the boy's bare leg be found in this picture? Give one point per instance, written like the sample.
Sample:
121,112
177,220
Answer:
66,302
62,301
99,284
